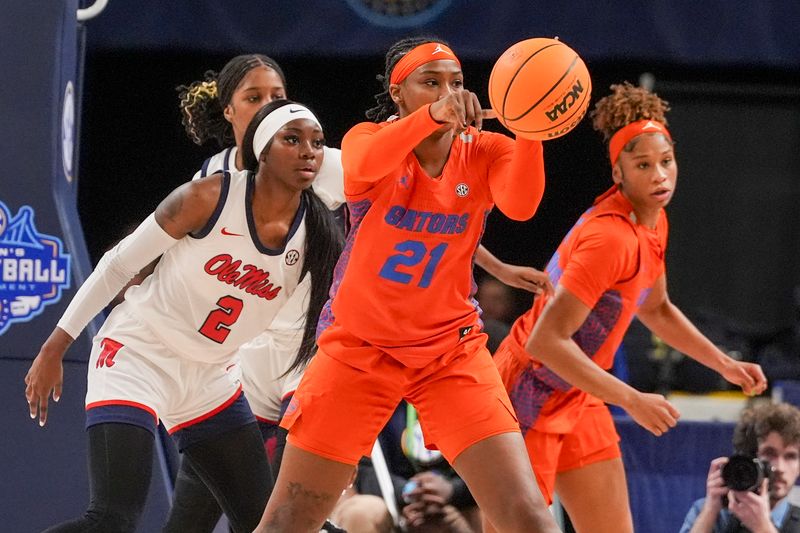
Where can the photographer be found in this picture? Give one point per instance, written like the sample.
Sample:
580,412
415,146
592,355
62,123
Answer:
770,433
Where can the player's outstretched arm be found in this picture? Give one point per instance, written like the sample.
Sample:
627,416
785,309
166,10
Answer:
551,342
370,152
664,319
516,180
186,209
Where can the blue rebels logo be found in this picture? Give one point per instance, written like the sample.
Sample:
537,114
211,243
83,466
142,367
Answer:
33,268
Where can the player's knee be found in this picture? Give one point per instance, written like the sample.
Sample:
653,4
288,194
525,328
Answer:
524,508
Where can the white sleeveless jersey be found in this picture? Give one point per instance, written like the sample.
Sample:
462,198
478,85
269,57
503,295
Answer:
328,185
215,291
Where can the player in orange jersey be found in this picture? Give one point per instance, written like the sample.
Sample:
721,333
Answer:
419,186
609,267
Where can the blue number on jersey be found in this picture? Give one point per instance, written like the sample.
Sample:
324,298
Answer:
411,254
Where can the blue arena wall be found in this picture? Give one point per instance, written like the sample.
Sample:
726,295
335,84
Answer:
43,259
698,33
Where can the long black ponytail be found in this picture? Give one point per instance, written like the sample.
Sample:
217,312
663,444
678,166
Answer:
324,243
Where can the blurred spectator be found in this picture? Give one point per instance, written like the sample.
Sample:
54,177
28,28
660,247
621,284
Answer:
496,300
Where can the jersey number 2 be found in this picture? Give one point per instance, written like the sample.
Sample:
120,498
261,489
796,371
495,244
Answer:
216,327
412,253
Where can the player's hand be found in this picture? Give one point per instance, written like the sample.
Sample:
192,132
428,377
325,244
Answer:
46,375
752,509
525,278
459,110
748,376
653,412
715,486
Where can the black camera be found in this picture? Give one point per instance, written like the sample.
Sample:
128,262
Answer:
744,473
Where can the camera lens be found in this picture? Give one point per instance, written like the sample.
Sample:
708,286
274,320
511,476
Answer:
742,473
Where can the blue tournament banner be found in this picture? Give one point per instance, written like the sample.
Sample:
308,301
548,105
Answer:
34,268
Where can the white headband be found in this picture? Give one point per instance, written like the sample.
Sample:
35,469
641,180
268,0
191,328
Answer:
276,120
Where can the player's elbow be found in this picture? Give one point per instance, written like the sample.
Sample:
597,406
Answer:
519,212
537,346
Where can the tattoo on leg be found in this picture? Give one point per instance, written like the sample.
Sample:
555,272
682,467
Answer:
297,491
298,511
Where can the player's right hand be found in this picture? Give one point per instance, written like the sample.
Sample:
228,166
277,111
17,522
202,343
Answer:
653,412
459,109
46,375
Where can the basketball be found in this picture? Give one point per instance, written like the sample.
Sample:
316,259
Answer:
540,88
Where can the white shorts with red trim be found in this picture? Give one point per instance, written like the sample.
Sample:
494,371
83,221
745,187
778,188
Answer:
129,366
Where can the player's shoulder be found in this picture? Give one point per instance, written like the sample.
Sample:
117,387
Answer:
366,127
205,189
218,162
611,231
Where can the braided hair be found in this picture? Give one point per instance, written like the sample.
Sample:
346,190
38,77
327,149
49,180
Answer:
386,106
324,243
624,105
202,102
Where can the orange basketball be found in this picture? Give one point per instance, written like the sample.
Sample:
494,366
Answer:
540,88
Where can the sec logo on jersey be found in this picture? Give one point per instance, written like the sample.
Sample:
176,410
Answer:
292,257
462,190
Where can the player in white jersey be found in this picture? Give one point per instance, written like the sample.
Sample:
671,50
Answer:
235,247
218,108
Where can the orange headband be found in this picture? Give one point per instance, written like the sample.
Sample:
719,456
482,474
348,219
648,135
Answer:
624,135
424,53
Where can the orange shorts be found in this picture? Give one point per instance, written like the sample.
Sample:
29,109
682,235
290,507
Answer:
350,390
592,440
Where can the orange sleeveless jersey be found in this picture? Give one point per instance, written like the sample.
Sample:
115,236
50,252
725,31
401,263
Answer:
404,281
608,262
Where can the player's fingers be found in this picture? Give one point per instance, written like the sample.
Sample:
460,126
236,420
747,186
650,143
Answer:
43,405
747,379
528,285
33,403
469,101
459,113
673,411
547,286
758,375
57,391
488,114
477,112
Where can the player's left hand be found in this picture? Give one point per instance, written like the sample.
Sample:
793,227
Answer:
748,376
752,509
525,278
